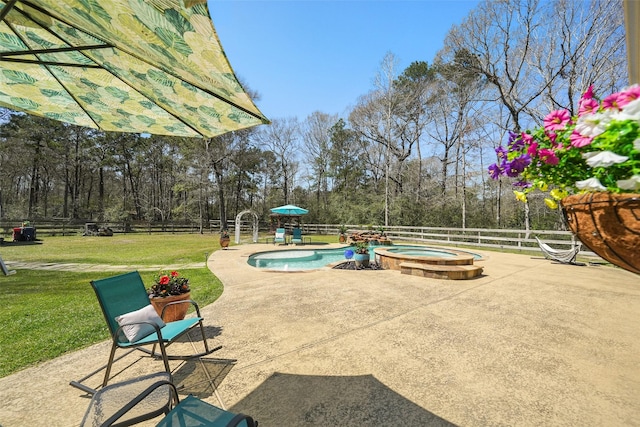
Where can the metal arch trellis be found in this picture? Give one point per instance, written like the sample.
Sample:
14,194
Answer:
255,225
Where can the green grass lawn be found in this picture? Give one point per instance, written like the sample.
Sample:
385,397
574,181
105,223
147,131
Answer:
48,313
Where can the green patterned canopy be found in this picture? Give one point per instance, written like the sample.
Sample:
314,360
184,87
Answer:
149,66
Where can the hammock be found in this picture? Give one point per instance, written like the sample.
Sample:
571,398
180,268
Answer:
564,256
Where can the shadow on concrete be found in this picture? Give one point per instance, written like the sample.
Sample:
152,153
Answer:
307,400
200,377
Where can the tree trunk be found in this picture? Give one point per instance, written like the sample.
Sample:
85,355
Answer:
222,210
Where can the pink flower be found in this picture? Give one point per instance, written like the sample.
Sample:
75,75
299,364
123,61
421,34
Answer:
557,120
528,139
578,140
588,106
548,156
533,149
630,94
612,101
588,94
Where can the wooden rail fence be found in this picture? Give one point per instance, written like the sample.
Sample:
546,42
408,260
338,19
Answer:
481,237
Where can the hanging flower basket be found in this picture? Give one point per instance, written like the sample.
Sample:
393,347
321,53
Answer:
608,224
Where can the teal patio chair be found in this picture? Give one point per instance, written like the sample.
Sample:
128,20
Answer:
280,236
296,238
145,398
134,324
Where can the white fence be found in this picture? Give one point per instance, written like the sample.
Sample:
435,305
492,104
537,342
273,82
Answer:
493,238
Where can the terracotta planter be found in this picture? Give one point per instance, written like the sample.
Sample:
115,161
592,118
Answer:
608,224
174,312
224,242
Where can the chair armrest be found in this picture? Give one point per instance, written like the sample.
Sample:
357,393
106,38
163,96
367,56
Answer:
139,398
134,398
120,333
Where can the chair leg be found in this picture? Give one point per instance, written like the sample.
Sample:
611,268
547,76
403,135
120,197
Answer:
165,358
109,363
204,338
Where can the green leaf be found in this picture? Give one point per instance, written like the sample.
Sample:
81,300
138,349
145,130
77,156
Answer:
18,77
117,93
147,104
89,83
10,42
211,112
160,77
92,9
24,103
174,41
177,20
146,120
49,93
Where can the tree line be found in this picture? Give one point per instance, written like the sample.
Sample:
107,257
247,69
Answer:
412,151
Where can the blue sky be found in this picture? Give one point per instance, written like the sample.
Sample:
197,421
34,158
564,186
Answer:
304,56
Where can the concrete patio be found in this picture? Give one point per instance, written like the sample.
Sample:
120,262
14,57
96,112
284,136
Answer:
529,343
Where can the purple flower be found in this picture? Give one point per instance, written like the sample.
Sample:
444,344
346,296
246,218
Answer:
495,171
519,164
516,144
509,171
501,152
522,184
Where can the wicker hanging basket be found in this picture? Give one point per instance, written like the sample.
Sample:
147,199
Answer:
608,224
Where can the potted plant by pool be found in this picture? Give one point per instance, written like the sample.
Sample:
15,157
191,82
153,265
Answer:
170,288
588,163
342,229
361,256
224,239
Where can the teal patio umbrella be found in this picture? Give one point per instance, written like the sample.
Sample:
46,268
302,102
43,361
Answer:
287,211
290,210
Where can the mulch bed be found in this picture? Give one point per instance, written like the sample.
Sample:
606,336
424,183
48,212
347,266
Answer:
351,265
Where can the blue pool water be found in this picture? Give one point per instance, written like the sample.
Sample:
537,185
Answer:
302,259
413,251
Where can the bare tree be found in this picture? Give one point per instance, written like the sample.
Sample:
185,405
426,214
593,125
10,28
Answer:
373,120
384,84
282,139
316,137
583,44
499,35
413,85
536,55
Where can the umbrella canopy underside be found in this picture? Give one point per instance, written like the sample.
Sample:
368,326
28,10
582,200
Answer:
152,66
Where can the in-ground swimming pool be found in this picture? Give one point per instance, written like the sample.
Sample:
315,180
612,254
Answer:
310,259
